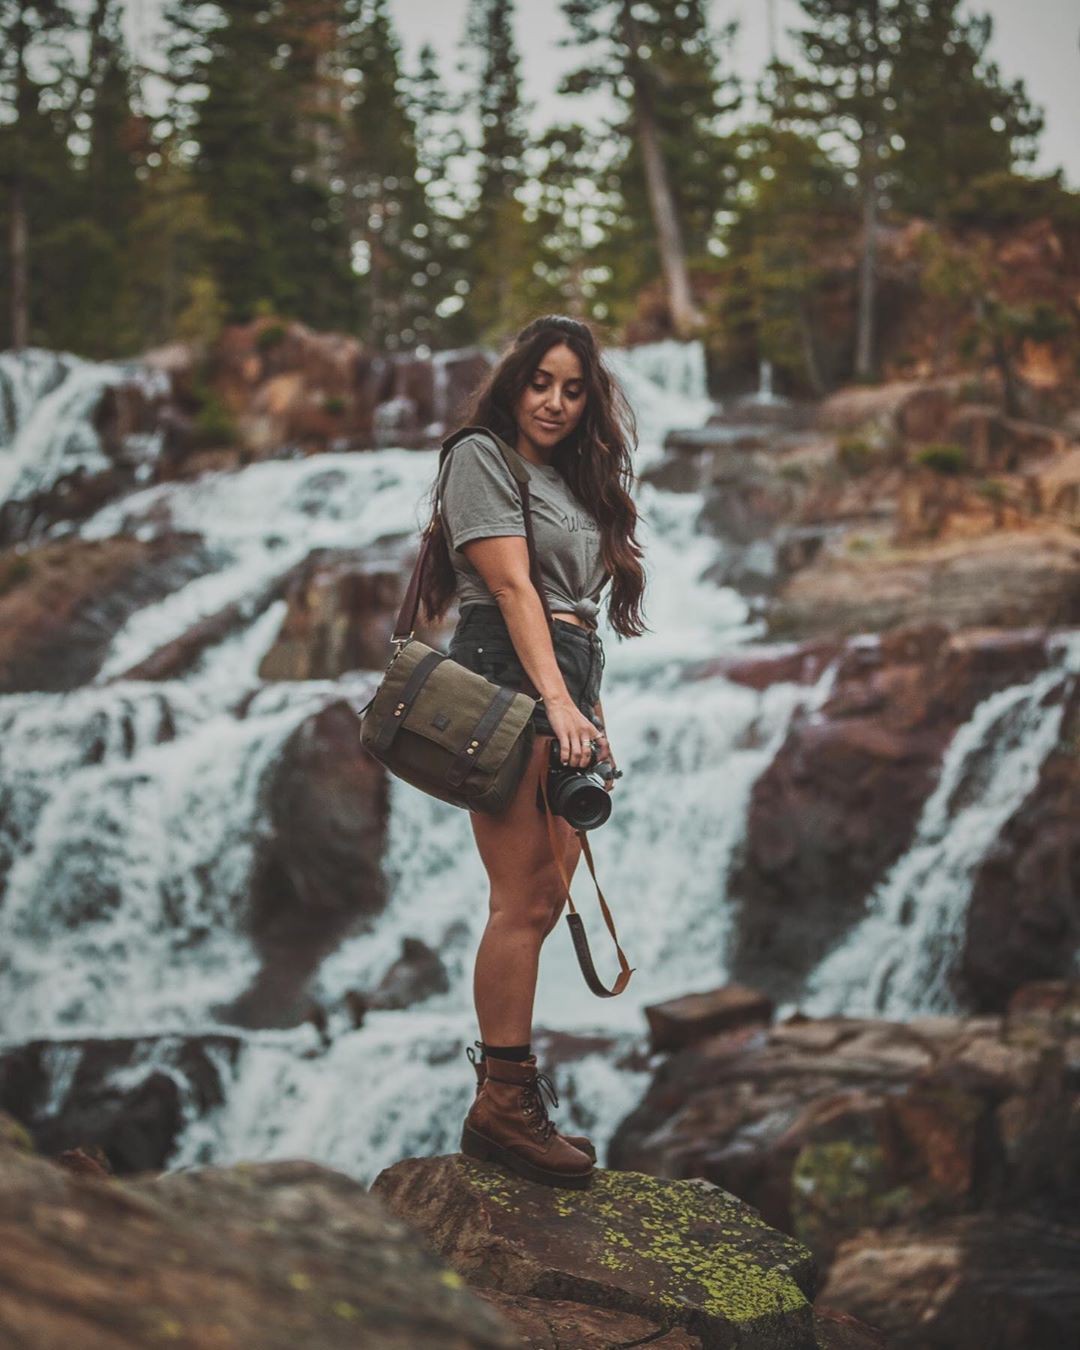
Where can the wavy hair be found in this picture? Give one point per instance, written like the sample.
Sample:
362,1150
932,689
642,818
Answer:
595,460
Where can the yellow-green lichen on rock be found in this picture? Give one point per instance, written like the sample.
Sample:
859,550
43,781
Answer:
679,1252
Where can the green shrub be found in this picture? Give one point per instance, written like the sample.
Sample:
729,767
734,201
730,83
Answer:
857,455
214,425
14,570
993,490
950,460
1006,198
273,335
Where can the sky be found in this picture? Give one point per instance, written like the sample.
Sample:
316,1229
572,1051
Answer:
1037,40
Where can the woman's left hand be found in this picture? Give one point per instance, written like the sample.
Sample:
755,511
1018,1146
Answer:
603,752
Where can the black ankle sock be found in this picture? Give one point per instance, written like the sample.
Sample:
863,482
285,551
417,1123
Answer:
518,1052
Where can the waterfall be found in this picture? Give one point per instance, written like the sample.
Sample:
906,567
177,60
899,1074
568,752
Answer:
898,960
47,403
130,812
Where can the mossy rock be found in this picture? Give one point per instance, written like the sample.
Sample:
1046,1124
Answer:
840,1187
13,1134
681,1253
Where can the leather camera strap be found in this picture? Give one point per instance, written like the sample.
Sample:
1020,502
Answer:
573,918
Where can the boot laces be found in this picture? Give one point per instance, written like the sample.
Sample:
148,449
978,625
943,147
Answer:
533,1103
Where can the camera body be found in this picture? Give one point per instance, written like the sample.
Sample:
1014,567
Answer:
579,795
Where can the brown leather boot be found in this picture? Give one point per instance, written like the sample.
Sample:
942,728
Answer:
508,1123
578,1141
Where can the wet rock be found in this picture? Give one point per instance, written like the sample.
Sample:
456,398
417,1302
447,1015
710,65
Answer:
1023,922
127,1097
760,665
62,603
840,1331
677,1254
914,409
317,876
979,1282
275,1255
834,1126
342,606
417,974
840,801
683,1021
544,1323
1007,579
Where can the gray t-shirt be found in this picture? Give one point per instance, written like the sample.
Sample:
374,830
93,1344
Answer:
478,498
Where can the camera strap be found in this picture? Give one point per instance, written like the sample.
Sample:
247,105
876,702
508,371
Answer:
573,918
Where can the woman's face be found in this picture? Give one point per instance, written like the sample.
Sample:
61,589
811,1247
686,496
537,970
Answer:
552,403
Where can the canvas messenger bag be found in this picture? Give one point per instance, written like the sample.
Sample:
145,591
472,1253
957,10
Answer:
459,737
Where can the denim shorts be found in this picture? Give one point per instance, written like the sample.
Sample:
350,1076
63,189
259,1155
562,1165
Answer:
482,643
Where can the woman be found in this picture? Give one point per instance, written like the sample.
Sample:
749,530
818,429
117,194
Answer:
553,401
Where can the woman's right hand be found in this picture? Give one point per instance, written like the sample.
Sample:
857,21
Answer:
573,731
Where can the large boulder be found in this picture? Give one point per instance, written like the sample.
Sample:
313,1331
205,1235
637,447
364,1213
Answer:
837,1126
318,872
275,1255
840,800
130,1097
342,606
980,1282
676,1254
1004,579
62,603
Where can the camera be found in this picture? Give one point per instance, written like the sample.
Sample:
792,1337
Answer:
579,794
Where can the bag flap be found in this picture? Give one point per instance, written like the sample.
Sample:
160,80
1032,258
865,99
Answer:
452,701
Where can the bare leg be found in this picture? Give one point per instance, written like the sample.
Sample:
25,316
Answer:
526,899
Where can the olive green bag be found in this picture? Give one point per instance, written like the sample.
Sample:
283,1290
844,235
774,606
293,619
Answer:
460,737
435,723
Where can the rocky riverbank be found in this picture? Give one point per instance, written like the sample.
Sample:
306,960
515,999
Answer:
932,1165
441,1252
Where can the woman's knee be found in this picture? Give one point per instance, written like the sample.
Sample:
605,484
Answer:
535,905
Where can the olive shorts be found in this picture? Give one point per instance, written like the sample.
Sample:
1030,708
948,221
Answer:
482,643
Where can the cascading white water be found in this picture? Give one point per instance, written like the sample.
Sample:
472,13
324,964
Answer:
130,811
898,960
47,401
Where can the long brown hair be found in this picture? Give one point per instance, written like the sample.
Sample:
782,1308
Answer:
594,459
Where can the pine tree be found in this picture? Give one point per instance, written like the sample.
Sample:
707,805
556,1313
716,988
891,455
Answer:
794,204
953,119
387,208
441,149
278,238
507,275
672,164
98,315
35,169
847,49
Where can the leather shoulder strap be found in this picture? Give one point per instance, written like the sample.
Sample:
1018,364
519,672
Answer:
410,605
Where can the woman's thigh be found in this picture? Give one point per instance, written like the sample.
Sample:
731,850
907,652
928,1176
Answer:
516,851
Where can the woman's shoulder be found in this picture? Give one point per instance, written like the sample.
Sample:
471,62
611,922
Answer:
480,449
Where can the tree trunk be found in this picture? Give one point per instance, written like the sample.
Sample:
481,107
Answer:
810,360
867,299
19,237
20,268
686,318
869,151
